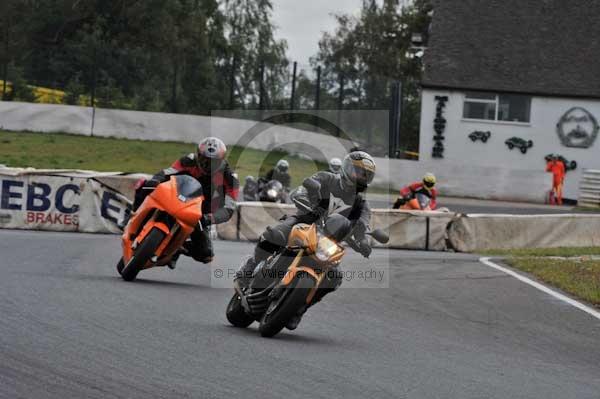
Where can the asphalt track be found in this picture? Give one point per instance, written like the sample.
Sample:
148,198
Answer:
447,327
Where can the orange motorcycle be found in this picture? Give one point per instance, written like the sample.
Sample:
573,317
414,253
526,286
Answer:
158,229
290,279
420,202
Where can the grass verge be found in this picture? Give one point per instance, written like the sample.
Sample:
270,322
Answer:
66,151
575,275
562,252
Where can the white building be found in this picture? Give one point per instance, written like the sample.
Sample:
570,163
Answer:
520,74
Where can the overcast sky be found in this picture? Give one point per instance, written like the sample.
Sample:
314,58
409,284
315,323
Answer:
301,23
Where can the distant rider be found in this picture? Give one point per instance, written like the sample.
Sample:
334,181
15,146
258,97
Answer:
221,188
325,193
335,165
280,173
250,189
425,187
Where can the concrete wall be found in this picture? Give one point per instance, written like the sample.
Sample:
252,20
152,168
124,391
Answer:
459,180
45,118
545,114
166,127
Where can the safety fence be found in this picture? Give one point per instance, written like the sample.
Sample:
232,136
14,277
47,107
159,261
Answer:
407,229
589,189
92,202
62,200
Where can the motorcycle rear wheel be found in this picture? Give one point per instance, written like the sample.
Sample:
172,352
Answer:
236,314
142,254
283,309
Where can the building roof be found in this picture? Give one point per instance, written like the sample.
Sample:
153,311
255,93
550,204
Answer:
544,47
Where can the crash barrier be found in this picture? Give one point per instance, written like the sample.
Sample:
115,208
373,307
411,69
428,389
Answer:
590,189
45,118
67,200
407,229
48,118
472,233
93,202
458,179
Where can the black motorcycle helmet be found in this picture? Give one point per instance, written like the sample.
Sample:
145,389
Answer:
358,171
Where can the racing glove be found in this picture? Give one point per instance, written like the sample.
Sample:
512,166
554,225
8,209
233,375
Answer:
364,248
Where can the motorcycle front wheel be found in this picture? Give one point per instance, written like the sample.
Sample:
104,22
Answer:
142,254
285,307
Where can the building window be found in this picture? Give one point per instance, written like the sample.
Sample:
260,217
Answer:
494,107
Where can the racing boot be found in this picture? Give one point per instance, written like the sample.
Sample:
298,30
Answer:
292,323
173,262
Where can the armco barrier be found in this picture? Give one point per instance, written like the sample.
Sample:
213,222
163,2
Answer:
589,189
408,230
413,230
83,201
471,233
75,201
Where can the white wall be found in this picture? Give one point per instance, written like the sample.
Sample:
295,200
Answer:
456,180
45,118
545,114
165,127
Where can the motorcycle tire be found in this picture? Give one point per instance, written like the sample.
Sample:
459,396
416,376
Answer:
120,266
284,308
142,254
236,314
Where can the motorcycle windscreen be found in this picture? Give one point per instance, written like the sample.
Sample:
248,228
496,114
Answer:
188,187
424,200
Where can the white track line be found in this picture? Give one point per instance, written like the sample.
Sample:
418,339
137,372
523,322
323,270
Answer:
543,288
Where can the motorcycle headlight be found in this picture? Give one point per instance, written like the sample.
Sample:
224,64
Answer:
272,193
326,248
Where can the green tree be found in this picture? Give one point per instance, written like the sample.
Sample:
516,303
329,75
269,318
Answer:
167,55
252,45
372,50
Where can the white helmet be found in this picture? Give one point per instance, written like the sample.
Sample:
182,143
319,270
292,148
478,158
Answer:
282,166
211,153
335,165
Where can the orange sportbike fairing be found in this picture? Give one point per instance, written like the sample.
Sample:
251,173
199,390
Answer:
412,205
306,237
165,199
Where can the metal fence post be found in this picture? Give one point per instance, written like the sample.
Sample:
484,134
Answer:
395,119
293,99
340,106
318,93
261,100
6,51
232,83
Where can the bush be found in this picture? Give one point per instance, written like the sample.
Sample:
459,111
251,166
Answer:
74,90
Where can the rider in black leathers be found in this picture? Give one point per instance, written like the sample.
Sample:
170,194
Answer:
325,193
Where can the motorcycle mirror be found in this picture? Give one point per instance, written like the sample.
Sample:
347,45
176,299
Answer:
380,236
